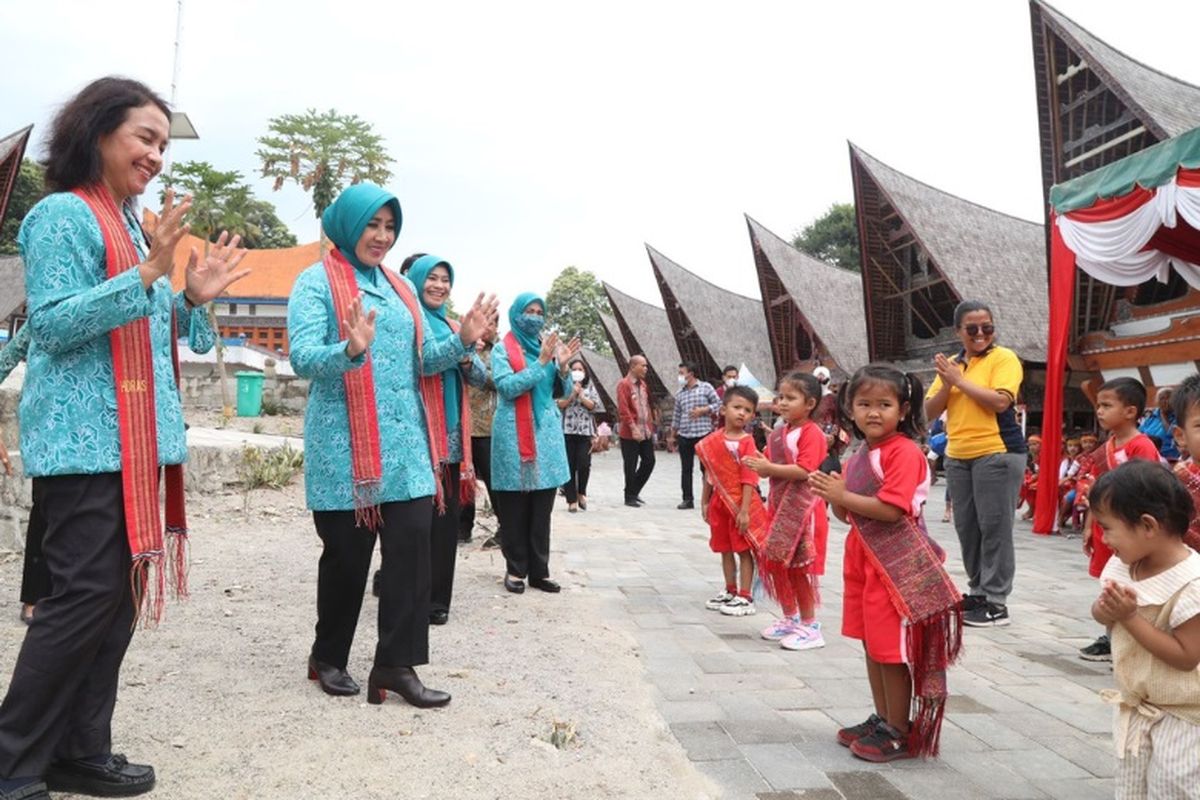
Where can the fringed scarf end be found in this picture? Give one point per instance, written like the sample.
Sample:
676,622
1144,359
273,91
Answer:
926,732
529,475
466,486
147,584
367,513
177,561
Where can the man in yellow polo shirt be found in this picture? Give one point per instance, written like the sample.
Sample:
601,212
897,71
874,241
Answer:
985,457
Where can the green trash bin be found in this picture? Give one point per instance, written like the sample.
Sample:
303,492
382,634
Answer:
249,395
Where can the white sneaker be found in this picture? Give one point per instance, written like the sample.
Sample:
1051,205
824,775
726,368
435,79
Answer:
719,601
738,607
806,637
778,629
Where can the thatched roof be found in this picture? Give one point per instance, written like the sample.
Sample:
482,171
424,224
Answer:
616,341
829,298
1165,104
730,326
605,375
12,286
12,150
984,254
647,332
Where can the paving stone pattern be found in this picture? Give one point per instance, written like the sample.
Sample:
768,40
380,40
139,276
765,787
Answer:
1024,718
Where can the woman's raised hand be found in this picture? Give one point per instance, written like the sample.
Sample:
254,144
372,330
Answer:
208,278
360,328
167,234
549,347
565,352
480,318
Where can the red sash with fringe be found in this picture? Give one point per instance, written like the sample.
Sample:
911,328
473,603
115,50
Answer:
133,373
724,472
439,437
366,460
791,509
1189,473
910,563
523,408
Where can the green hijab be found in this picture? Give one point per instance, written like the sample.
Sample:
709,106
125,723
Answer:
531,342
438,327
346,218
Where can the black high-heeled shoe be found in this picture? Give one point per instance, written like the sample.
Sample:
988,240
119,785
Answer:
404,682
334,681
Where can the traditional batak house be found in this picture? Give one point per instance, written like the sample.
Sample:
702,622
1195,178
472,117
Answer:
604,373
924,251
713,327
12,269
646,330
814,310
616,341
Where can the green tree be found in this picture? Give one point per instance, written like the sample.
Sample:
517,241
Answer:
264,229
573,306
322,153
27,190
832,237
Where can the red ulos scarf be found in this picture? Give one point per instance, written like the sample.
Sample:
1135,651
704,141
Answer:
366,460
133,373
1189,473
792,508
725,474
523,407
439,437
910,563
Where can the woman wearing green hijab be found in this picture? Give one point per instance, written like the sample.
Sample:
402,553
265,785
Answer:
529,458
357,334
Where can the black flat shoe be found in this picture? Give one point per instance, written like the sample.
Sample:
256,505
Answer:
376,583
404,682
545,584
686,505
116,777
334,681
639,501
439,617
34,791
633,504
514,585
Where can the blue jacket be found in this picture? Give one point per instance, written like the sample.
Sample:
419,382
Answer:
318,353
68,407
552,470
14,352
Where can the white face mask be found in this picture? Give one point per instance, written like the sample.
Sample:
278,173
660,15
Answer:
578,375
731,382
682,380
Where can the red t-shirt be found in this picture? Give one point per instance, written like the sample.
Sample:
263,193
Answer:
1139,446
742,449
806,445
903,472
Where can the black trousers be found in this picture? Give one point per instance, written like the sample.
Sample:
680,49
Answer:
687,463
579,459
404,585
639,463
444,542
525,532
35,577
481,455
64,686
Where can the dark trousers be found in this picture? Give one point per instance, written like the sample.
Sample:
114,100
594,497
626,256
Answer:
639,463
35,577
403,591
525,532
64,687
481,455
444,542
687,462
579,459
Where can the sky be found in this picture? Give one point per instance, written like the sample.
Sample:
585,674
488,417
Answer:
529,136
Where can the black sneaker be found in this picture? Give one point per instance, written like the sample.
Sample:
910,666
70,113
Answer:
1099,650
850,735
885,743
686,505
986,615
970,602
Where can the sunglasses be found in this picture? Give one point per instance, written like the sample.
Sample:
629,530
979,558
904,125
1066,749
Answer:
987,328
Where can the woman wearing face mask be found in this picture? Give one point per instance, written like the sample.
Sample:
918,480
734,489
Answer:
358,334
529,458
579,408
446,395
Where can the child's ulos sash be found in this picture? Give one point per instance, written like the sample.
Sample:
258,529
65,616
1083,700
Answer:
133,373
434,397
724,473
366,460
791,514
1189,473
523,410
910,563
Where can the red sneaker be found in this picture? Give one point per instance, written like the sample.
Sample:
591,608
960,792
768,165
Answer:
884,744
848,736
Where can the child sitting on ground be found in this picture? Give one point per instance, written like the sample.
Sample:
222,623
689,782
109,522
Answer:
1067,471
897,598
798,523
730,504
1028,495
1150,603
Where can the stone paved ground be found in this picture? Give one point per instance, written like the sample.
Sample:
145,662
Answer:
1024,718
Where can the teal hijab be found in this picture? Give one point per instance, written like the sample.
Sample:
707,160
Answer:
345,220
531,343
438,327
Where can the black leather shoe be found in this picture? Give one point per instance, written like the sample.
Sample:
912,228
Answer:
545,584
633,504
334,681
376,583
439,617
114,778
685,505
404,682
639,501
514,585
34,791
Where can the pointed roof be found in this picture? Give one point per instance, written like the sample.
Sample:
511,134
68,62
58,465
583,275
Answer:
984,254
647,331
12,286
730,327
12,151
1165,104
616,341
605,375
829,298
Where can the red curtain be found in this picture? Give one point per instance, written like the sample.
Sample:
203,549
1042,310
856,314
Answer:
1062,300
1188,177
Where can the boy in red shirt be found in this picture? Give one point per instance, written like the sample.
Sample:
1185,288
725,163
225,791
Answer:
1120,404
1185,405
